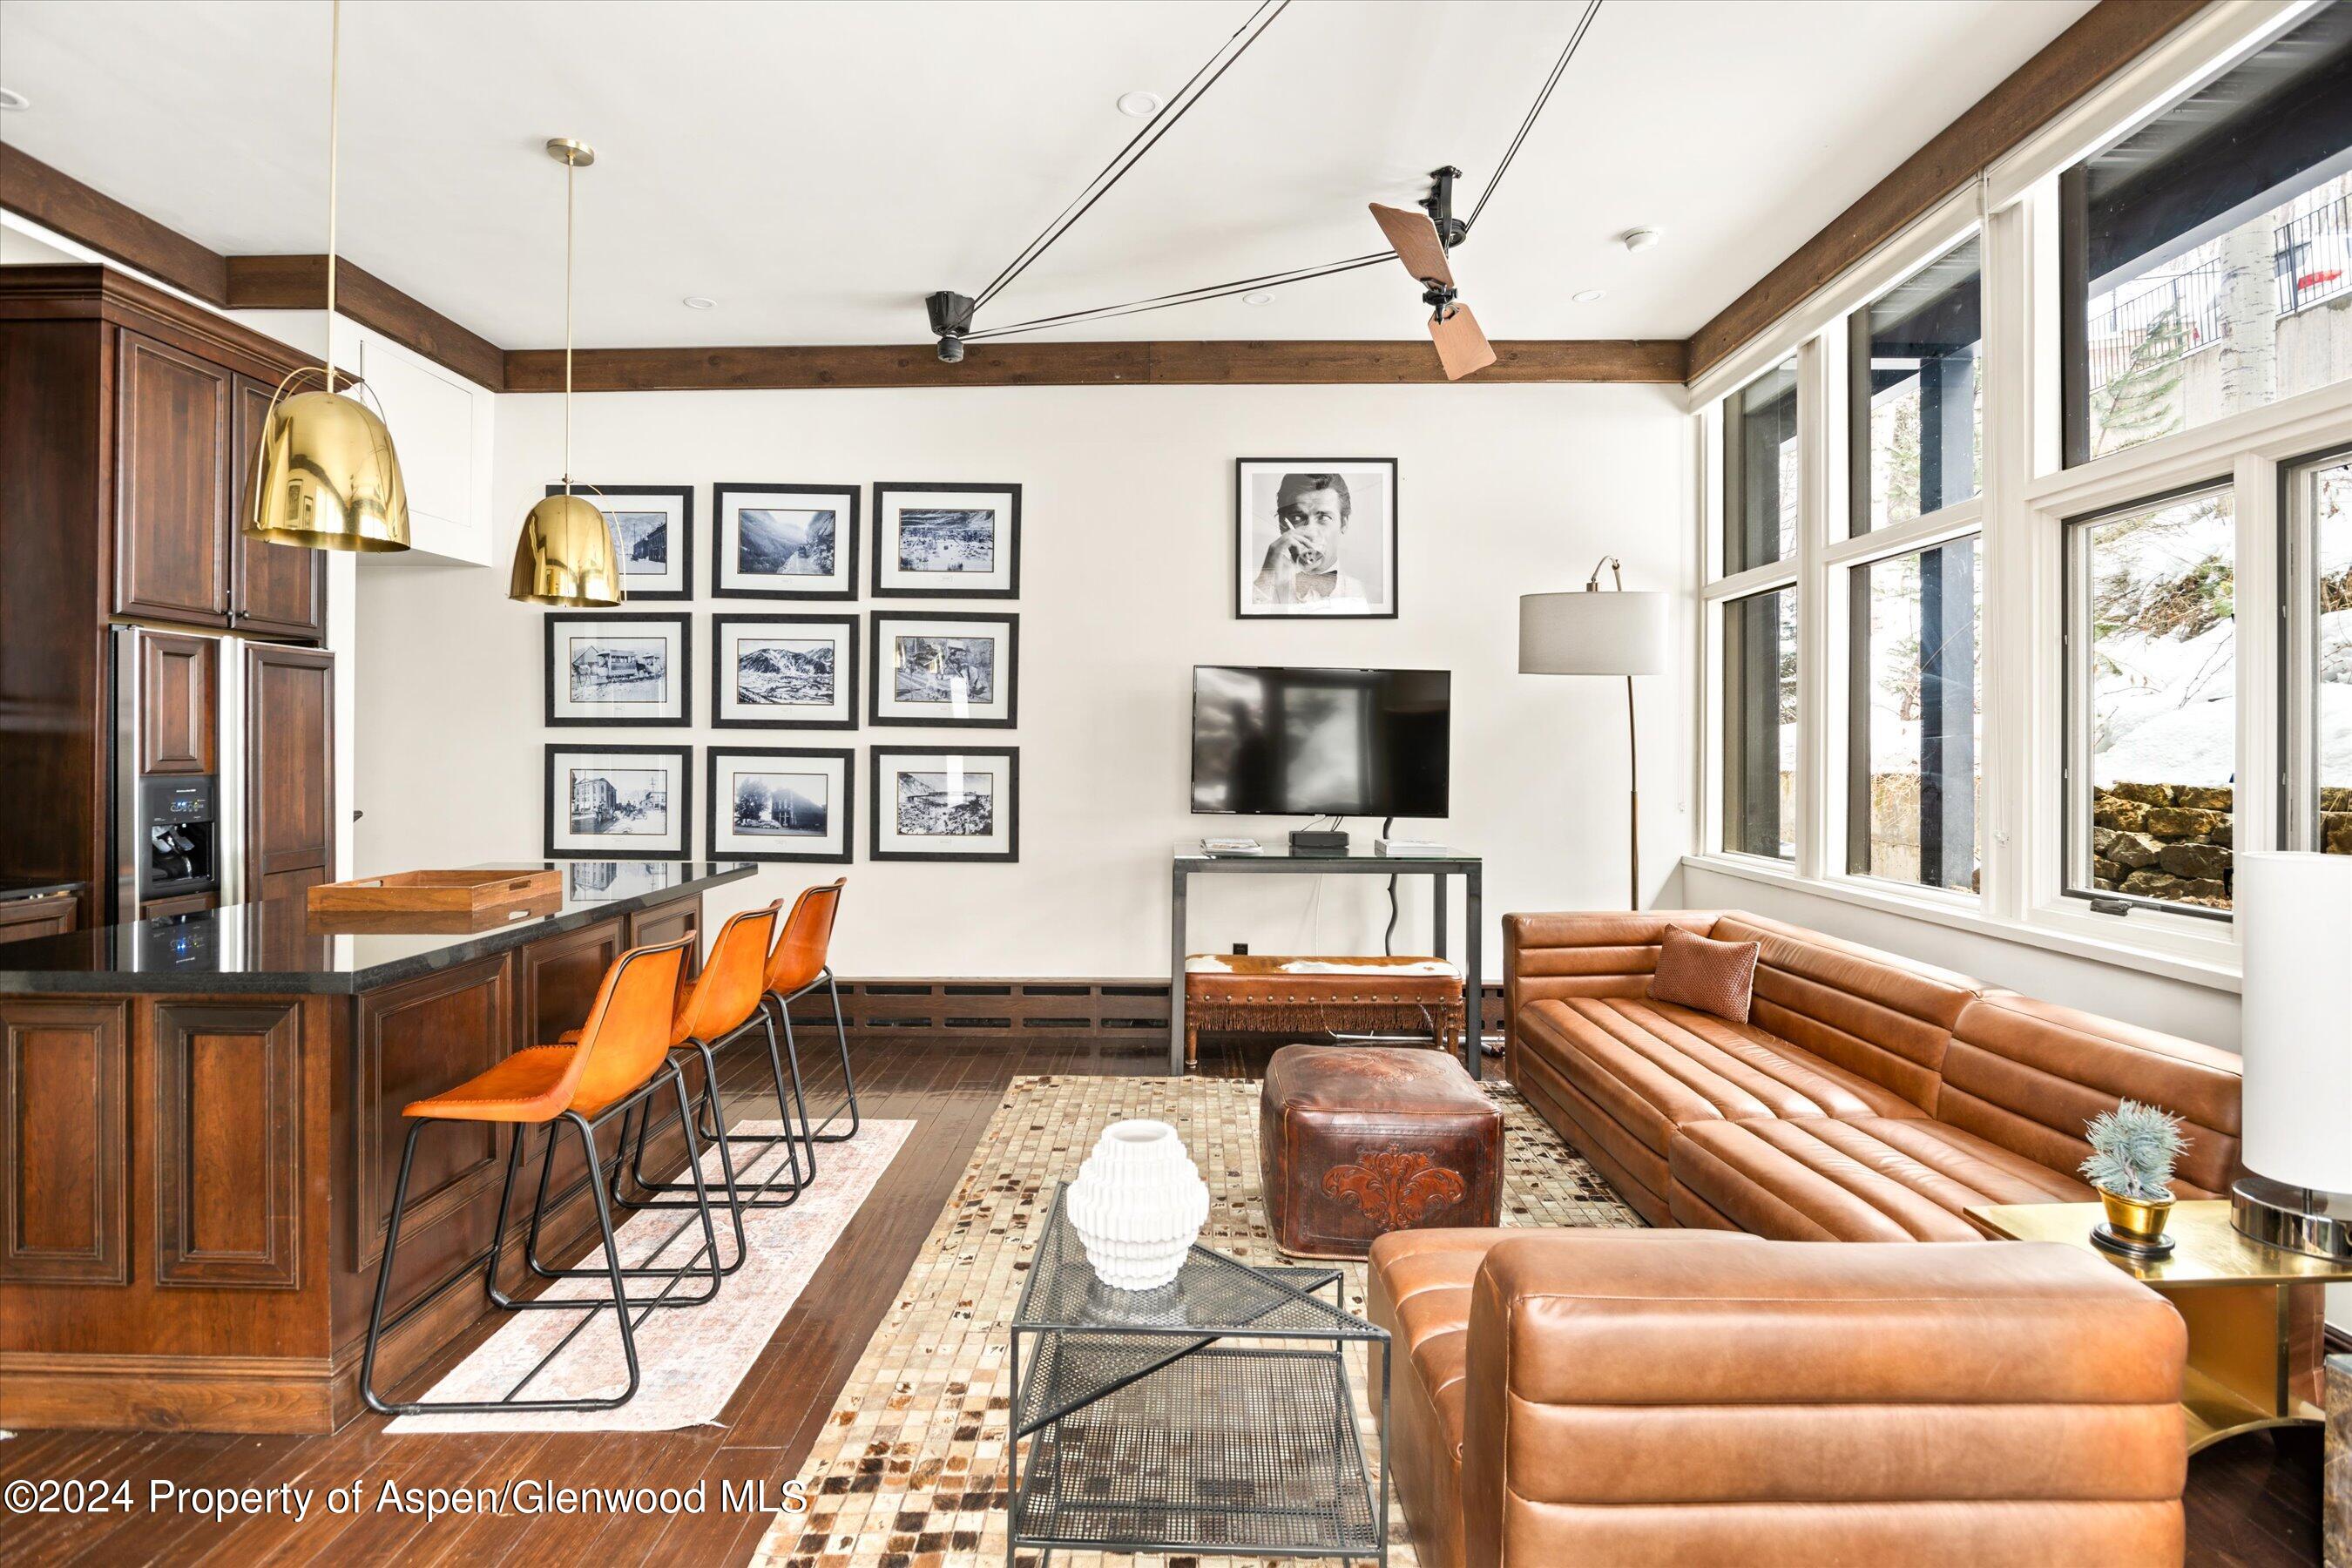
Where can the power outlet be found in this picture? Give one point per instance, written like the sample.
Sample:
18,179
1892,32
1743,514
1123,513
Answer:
1241,950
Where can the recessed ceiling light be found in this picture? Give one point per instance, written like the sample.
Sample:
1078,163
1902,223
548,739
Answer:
1640,238
1588,296
1138,105
1259,298
11,99
699,302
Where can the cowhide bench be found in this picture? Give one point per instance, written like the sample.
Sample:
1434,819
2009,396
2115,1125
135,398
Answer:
1262,991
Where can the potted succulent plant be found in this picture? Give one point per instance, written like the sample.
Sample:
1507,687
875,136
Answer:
2133,1148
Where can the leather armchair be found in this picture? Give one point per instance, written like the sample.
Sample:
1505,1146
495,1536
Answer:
1623,1397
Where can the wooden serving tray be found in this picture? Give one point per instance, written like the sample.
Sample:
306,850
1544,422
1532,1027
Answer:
471,894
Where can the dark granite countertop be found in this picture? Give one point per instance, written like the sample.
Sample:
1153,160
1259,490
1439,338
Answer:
275,947
14,888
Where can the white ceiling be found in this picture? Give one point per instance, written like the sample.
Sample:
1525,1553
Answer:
818,168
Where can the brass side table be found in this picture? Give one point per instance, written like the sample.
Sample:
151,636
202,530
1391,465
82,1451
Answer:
2234,1294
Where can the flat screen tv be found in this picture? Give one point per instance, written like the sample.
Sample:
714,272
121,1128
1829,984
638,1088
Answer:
1321,742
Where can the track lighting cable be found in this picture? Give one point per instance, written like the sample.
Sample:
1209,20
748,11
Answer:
1141,142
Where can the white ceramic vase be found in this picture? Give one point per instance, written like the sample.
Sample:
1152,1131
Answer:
1137,1205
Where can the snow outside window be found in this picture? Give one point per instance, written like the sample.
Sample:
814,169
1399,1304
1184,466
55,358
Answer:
2154,711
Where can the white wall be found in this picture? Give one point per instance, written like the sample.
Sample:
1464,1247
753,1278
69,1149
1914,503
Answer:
2118,989
1125,572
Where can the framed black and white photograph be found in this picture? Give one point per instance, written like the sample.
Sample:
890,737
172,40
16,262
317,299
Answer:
609,881
794,672
947,542
1314,537
653,525
945,805
626,802
610,669
777,803
784,541
945,669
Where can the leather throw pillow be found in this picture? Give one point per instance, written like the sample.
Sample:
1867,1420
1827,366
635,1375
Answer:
1704,975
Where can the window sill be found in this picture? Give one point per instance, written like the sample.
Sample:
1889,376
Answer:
1960,916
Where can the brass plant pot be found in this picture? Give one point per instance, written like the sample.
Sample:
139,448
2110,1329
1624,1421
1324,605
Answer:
2135,1227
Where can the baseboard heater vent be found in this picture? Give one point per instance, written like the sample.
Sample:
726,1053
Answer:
1069,1009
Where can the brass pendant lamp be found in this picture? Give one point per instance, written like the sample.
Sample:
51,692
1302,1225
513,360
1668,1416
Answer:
567,554
326,475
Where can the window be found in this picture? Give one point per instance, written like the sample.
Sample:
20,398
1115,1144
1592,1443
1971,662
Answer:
1918,394
1913,768
2318,653
1760,471
2208,253
1759,724
2152,740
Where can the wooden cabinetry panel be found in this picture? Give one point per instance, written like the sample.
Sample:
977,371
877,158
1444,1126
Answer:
667,923
228,1145
290,792
411,1040
172,477
63,1144
48,915
180,904
279,590
179,703
559,979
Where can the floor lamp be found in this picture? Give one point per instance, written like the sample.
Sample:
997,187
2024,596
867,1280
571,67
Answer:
1600,632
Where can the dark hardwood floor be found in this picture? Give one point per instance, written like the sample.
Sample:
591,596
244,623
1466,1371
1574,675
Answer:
2252,1503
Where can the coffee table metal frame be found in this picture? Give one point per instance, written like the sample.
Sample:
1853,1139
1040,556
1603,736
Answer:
1157,1371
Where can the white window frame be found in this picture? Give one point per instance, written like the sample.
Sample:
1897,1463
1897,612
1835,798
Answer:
2299,782
2021,515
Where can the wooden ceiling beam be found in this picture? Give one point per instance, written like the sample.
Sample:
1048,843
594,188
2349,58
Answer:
1268,362
300,283
2105,40
58,201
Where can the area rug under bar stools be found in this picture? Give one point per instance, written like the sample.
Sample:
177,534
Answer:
1419,996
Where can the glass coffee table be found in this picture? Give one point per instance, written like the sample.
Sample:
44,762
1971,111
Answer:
1214,1414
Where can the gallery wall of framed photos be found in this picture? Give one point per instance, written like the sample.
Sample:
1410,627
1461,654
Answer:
925,666
1135,529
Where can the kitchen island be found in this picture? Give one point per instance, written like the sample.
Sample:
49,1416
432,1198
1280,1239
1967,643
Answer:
200,1125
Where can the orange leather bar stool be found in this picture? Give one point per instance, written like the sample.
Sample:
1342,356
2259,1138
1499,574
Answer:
802,961
621,1060
724,1004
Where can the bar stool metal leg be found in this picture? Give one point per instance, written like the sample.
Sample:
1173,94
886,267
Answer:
619,1301
711,1270
778,1189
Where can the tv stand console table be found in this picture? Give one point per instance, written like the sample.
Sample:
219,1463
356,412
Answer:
1279,860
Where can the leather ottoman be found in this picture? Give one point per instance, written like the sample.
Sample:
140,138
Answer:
1355,1142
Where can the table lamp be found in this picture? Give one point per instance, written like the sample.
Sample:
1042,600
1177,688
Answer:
1601,633
2295,1140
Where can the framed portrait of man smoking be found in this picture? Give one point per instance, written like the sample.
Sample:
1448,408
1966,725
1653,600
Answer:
1314,537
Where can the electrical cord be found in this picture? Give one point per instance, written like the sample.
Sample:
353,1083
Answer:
1184,296
1591,9
1387,937
1141,142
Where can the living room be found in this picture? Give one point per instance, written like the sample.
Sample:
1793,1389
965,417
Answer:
1025,800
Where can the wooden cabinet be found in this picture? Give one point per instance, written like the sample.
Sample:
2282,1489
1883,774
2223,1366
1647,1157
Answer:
172,475
275,590
289,768
179,703
667,923
187,433
50,914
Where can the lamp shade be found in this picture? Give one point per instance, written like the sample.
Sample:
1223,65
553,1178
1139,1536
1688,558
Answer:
2295,1018
1593,633
566,555
326,476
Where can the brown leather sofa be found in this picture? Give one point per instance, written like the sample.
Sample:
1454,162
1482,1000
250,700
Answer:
1868,1097
1705,1397
1609,1398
